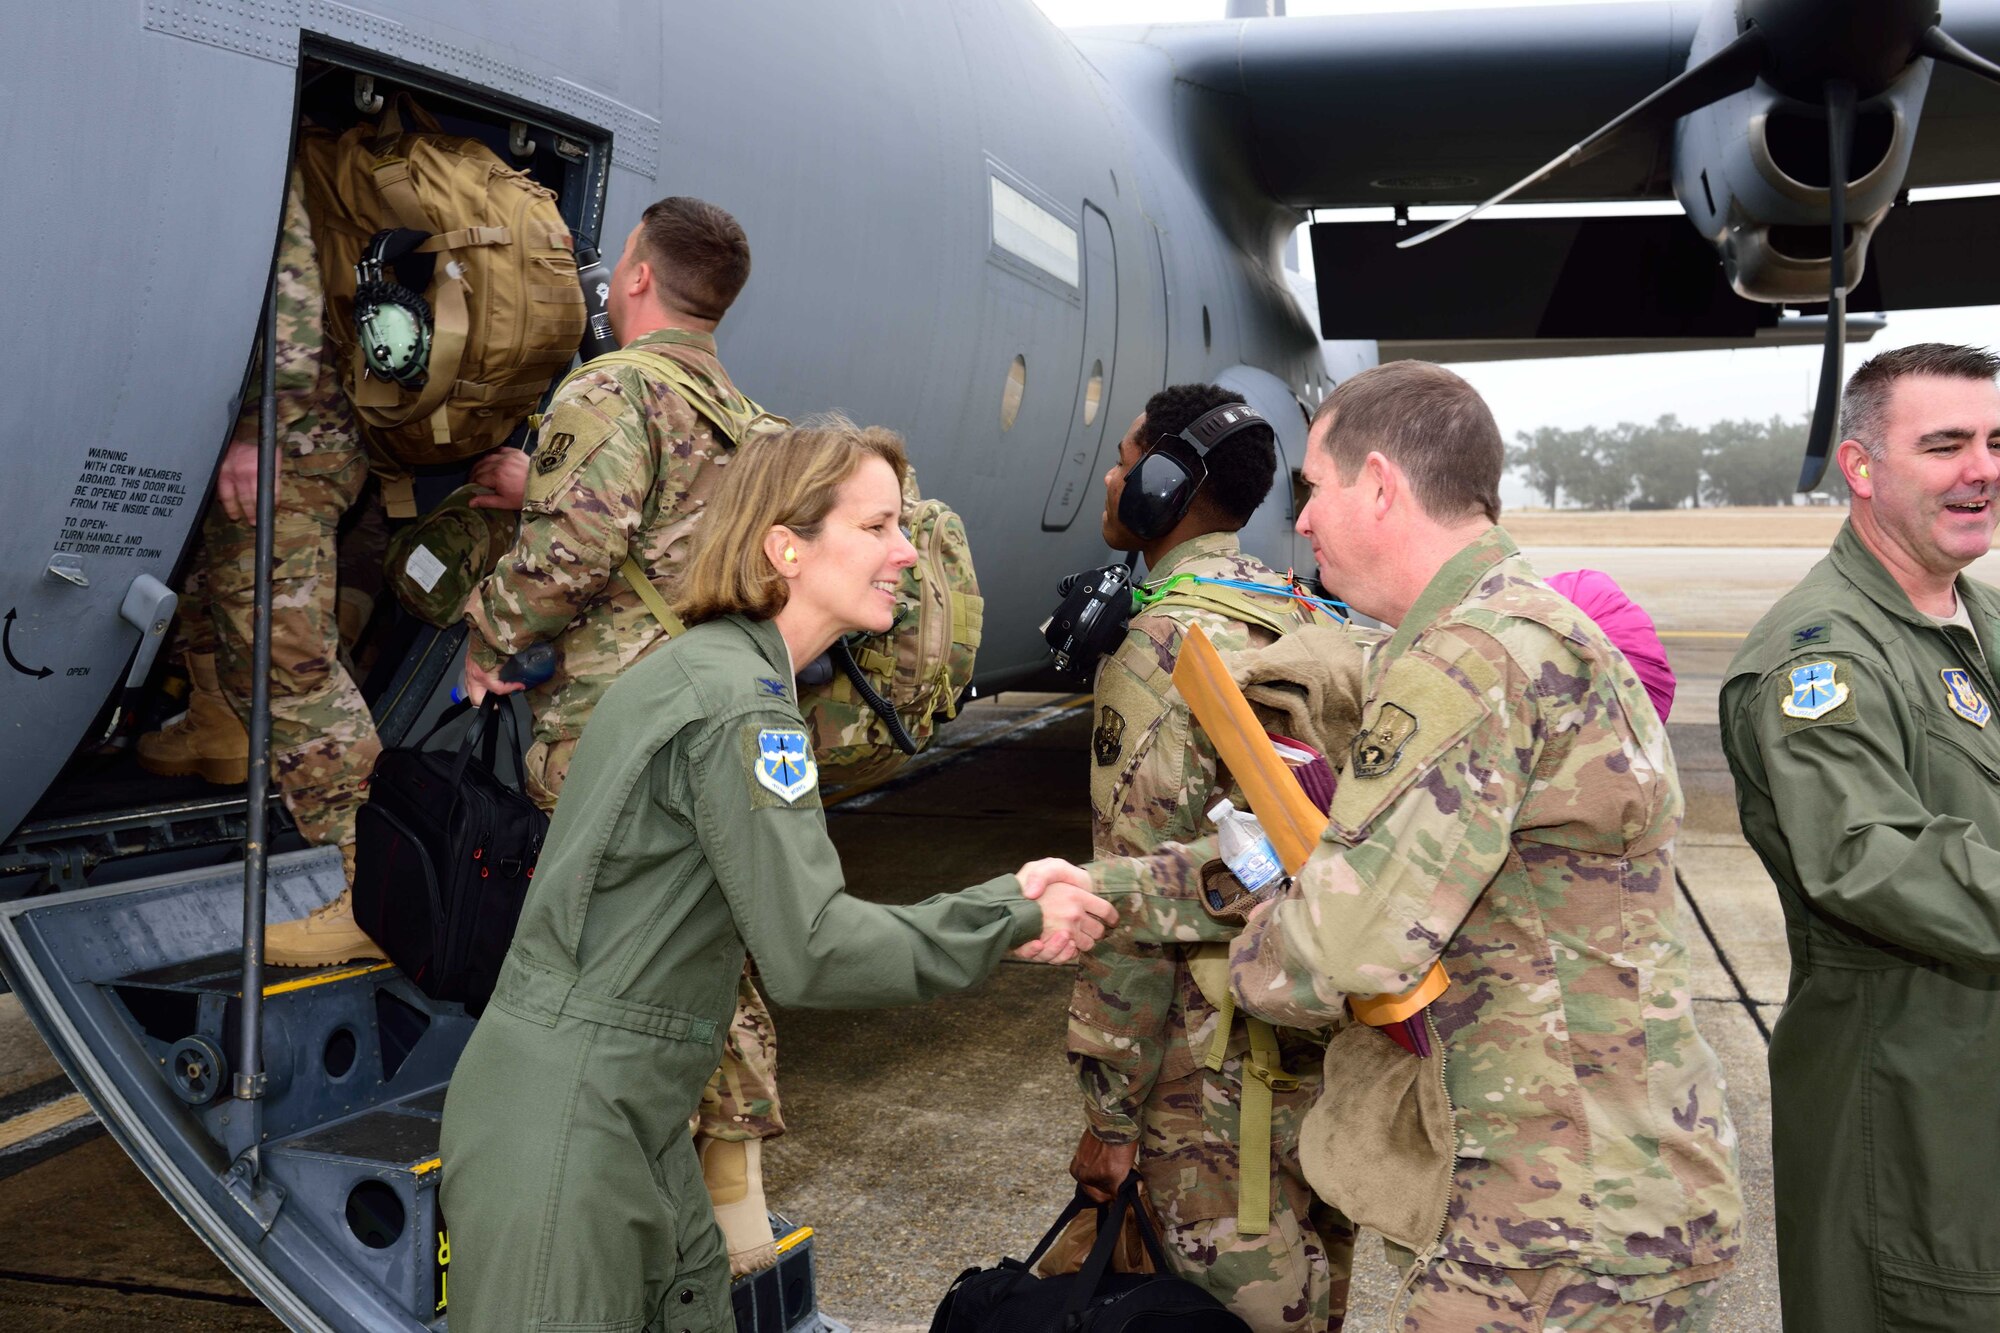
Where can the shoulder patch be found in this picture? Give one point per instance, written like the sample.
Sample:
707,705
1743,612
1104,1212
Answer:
1378,747
781,764
1818,692
1963,698
568,437
1108,741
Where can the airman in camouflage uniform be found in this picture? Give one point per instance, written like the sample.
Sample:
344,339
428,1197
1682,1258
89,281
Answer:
323,742
1140,1029
1508,807
622,470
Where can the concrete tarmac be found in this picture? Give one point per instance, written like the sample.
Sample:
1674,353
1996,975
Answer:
926,1140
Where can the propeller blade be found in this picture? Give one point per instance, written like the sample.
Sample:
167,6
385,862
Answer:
1941,45
1730,70
1826,408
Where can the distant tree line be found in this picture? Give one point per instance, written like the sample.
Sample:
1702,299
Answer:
1666,465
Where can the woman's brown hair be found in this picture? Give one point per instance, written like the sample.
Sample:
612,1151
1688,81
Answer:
789,478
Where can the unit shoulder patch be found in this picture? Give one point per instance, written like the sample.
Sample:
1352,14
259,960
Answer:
1962,697
1378,747
1108,741
570,435
781,764
1818,692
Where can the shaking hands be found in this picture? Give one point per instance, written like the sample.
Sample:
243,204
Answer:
1073,918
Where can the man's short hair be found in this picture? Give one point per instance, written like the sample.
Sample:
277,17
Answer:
1864,407
699,254
1431,424
1239,469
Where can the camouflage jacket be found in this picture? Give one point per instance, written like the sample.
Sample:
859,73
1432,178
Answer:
1136,1017
315,429
622,466
1510,807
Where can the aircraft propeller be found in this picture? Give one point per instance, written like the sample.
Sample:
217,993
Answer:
1834,52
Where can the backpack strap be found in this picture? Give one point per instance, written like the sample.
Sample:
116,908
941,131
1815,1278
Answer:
635,578
1274,612
732,418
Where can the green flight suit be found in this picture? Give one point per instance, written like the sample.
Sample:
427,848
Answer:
1868,778
689,829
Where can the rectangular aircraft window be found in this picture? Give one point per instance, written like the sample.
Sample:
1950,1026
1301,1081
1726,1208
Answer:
1026,230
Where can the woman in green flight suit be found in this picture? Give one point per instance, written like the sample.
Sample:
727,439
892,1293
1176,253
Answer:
689,830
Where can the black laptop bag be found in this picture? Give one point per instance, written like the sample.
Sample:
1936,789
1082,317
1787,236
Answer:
1009,1298
443,853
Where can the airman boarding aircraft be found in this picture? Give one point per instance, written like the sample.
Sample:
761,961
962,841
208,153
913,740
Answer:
997,238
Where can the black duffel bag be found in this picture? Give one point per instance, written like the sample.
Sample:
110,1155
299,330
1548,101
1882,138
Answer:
1009,1298
443,852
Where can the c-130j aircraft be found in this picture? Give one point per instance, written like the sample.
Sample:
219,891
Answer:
995,237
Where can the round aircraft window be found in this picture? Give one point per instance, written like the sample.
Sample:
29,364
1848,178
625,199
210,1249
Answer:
339,1054
1093,392
1013,391
374,1214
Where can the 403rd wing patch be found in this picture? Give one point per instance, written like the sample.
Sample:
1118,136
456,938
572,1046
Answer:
783,763
1379,748
1963,699
1819,693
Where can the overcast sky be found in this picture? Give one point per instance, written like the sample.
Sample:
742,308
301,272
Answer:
1698,387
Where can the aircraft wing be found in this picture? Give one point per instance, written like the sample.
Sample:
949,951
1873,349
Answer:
1440,107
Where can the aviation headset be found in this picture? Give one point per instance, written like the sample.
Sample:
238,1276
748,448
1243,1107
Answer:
1160,486
392,322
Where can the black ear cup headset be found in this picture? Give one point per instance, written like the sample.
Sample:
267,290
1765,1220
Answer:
1160,486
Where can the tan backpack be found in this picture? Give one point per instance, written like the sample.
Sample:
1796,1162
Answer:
508,313
919,667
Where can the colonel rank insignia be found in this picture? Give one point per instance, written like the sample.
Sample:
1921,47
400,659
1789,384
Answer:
1380,748
785,766
1109,738
1961,698
1815,692
552,454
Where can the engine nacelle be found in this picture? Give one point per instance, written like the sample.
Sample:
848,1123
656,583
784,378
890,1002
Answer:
1751,171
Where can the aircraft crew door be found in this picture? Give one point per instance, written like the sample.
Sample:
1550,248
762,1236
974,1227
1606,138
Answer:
1078,466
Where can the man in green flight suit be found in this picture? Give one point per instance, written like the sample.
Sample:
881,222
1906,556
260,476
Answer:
1141,1032
1857,721
1507,811
626,459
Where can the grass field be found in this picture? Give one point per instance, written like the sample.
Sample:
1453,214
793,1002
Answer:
1777,525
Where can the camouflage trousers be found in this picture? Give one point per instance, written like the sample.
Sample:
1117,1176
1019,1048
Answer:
1294,1278
323,742
1454,1297
740,1102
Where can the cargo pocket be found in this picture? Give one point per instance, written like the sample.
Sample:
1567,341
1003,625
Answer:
1913,1297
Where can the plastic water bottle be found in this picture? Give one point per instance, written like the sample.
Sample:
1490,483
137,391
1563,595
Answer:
595,279
1245,850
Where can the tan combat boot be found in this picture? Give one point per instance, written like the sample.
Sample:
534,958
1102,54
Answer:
207,739
734,1174
324,937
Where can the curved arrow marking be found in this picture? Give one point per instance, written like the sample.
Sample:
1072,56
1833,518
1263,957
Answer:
7,646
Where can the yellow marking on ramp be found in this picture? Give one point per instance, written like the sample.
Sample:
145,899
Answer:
325,978
425,1168
42,1119
802,1234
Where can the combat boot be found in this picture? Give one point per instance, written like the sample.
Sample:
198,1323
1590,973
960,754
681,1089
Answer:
734,1174
207,739
323,937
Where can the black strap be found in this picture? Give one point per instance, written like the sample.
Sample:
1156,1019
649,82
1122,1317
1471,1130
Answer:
1091,1276
882,708
485,728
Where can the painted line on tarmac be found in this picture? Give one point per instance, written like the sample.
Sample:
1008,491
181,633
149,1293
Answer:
131,1288
949,754
1722,956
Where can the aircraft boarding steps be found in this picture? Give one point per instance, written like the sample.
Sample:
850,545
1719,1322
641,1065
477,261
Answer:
138,990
